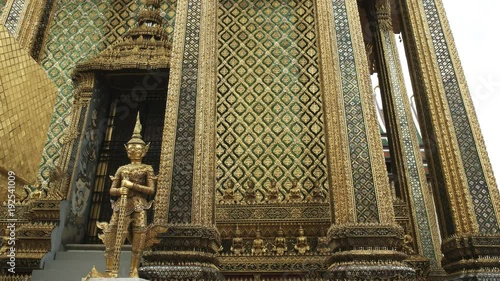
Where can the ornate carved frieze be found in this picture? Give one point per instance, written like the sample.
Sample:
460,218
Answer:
273,212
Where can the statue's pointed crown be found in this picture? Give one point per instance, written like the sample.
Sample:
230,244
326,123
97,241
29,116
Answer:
136,135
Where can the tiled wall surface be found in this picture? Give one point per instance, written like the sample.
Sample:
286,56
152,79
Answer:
27,96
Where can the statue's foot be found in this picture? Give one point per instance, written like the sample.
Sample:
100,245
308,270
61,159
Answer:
112,274
134,273
96,274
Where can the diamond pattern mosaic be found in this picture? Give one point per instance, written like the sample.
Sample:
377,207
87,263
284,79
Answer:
364,189
79,30
483,206
14,15
182,178
269,118
406,126
26,98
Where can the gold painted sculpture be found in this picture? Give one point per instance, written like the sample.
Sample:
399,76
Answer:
280,243
317,194
132,184
237,247
272,194
301,246
250,193
228,196
258,247
323,244
295,195
407,244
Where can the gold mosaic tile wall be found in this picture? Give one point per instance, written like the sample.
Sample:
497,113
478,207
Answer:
269,117
27,97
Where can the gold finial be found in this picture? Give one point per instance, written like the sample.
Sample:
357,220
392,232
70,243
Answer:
136,135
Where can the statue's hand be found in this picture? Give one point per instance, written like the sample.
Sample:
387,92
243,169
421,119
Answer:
127,184
123,190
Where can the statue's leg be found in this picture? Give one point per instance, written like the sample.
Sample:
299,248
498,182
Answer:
110,245
138,241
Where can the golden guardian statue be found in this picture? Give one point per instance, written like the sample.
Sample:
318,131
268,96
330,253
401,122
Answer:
132,184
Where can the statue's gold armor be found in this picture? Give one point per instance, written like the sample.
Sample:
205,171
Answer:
143,178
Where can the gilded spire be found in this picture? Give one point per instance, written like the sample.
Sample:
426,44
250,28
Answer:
144,46
136,135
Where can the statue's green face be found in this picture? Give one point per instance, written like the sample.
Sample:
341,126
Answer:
136,151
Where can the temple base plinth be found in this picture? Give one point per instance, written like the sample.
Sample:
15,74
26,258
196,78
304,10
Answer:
368,252
186,252
472,256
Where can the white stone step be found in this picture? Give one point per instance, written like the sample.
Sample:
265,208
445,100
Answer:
77,262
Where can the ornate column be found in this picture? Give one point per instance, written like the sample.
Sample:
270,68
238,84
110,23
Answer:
410,176
365,239
84,88
467,197
186,183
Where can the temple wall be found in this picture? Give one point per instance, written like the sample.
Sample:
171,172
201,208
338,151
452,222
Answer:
77,31
269,110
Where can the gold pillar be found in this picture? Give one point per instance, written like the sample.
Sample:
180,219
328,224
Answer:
205,138
365,239
405,152
188,250
466,193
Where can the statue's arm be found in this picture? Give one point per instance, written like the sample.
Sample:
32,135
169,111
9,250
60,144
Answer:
115,184
149,188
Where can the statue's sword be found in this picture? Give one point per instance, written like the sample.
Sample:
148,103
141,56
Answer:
122,229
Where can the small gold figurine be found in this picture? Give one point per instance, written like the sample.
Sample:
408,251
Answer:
295,195
228,196
258,247
132,183
280,243
407,244
301,246
317,194
323,245
250,193
237,247
272,194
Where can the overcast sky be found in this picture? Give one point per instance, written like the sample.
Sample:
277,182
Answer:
475,29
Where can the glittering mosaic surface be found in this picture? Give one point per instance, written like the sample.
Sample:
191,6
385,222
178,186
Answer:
79,30
14,15
269,119
417,180
364,191
483,206
27,96
182,178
